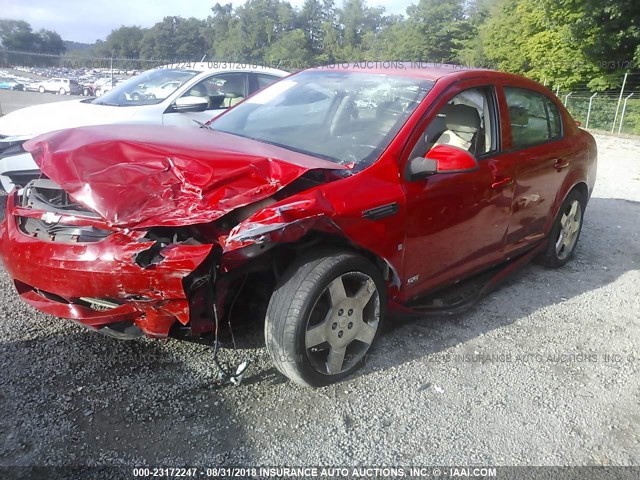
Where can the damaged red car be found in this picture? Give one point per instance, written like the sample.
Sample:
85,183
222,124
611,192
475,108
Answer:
318,204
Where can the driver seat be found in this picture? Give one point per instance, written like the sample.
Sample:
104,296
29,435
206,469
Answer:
463,124
232,90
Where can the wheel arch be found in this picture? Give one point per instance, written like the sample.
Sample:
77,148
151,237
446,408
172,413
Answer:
580,186
277,259
315,241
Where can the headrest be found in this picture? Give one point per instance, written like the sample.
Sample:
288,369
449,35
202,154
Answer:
199,91
233,85
462,118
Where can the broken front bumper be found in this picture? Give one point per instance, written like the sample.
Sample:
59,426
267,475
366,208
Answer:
99,284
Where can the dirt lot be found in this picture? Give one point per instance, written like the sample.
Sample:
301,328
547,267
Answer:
545,371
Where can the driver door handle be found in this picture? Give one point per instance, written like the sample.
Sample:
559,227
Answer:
503,182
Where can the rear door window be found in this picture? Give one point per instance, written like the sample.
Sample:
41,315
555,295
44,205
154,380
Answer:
534,118
265,80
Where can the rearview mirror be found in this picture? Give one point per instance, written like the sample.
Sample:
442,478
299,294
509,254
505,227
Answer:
441,159
191,104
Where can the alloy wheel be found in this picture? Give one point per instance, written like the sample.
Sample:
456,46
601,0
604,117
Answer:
343,323
569,228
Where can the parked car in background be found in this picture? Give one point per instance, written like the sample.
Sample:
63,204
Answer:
316,204
104,87
197,93
96,86
152,92
9,84
63,86
87,90
31,86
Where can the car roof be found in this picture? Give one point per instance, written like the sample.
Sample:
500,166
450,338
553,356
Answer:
422,70
222,66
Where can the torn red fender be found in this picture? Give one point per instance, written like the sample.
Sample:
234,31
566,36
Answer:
132,177
286,221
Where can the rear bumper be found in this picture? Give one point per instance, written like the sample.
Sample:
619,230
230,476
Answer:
58,278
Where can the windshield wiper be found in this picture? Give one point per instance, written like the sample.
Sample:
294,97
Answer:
108,104
203,124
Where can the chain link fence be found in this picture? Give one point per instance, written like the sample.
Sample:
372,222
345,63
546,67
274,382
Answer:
605,111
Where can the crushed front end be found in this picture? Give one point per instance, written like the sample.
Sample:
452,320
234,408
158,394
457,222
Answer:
68,262
125,230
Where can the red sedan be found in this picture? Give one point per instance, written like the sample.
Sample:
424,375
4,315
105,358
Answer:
316,204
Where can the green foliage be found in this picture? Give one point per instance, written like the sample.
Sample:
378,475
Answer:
123,42
174,37
289,51
565,43
18,35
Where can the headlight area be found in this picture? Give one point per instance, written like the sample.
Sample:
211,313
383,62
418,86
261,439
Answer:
172,249
11,145
17,166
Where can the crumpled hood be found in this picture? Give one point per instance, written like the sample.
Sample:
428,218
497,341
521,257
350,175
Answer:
38,119
138,176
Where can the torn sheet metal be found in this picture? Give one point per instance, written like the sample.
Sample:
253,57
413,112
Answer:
154,297
133,177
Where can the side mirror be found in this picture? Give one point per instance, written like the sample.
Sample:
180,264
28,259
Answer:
191,104
441,159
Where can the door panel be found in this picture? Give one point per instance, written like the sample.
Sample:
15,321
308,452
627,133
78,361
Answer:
541,155
457,223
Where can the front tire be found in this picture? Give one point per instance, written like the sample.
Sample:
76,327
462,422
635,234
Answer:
41,89
565,232
324,316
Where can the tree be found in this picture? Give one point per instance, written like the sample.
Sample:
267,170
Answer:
17,35
290,51
438,29
606,33
123,42
175,38
50,42
311,22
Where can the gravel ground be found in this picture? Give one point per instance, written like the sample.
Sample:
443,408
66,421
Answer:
558,383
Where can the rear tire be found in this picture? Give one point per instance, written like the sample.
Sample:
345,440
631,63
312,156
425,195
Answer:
62,91
565,232
41,89
323,317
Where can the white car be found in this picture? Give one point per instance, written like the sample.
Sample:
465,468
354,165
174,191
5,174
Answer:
197,93
63,86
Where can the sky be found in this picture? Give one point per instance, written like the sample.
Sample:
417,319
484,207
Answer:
89,20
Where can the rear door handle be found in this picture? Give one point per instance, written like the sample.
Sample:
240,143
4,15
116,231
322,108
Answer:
560,164
503,182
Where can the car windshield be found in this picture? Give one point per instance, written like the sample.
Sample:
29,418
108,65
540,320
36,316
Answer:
345,117
148,88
